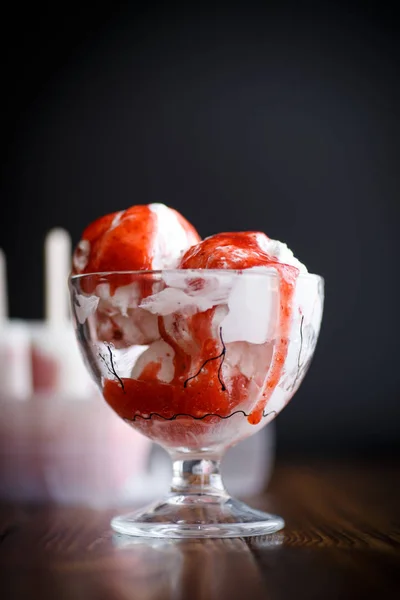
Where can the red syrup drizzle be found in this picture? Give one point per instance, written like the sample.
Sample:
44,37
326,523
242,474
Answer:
287,282
124,241
119,243
203,394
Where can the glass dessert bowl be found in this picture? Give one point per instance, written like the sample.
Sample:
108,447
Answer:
197,360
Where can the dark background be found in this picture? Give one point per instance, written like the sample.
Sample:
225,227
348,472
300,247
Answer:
282,119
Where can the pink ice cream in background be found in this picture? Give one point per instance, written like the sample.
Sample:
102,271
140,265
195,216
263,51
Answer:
62,443
57,367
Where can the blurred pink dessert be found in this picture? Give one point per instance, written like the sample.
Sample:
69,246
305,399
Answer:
57,442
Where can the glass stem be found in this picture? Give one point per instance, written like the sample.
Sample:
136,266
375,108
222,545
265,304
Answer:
201,476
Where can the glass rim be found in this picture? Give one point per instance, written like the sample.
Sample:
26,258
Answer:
193,272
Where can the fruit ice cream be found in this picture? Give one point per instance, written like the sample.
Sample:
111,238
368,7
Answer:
238,250
212,332
140,238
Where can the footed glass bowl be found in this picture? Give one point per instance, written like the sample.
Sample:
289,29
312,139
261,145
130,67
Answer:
197,360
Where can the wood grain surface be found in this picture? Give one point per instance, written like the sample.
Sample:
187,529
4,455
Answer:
342,540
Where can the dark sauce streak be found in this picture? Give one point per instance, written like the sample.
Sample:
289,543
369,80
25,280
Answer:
174,417
221,355
299,357
111,369
105,363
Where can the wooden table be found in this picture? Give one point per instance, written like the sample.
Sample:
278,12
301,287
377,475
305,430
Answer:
342,540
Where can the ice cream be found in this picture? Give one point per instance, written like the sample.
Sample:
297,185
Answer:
199,356
239,250
253,251
140,238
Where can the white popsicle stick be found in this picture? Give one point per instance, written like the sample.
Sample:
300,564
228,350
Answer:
3,289
54,341
57,268
15,358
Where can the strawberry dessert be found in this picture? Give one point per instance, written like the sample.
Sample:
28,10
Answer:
203,354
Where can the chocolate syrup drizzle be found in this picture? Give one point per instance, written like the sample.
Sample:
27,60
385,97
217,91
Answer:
221,355
111,366
176,416
299,365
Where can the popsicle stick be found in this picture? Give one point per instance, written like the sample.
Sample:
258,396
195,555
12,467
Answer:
57,268
3,289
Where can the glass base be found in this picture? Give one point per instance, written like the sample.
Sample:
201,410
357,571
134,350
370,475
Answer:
197,516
